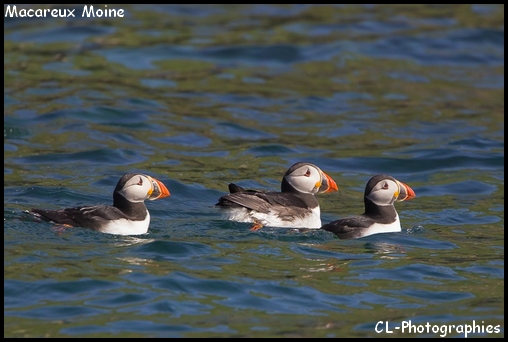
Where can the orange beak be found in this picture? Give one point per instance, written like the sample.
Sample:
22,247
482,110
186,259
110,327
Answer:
159,190
328,184
406,193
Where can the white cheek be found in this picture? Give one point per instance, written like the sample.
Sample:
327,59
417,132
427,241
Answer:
134,193
303,184
381,197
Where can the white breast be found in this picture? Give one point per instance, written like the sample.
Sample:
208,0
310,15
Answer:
383,228
312,220
126,227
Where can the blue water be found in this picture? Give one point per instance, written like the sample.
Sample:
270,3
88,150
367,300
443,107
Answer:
201,96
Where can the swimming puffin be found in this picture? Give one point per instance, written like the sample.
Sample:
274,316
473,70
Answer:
295,206
380,216
127,216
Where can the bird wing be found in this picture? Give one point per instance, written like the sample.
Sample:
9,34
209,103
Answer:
80,216
350,227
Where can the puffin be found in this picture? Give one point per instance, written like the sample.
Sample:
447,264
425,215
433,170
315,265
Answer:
380,216
295,206
127,216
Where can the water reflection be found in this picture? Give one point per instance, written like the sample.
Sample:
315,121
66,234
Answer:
125,241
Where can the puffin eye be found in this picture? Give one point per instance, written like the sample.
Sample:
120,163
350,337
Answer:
140,181
307,174
385,185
